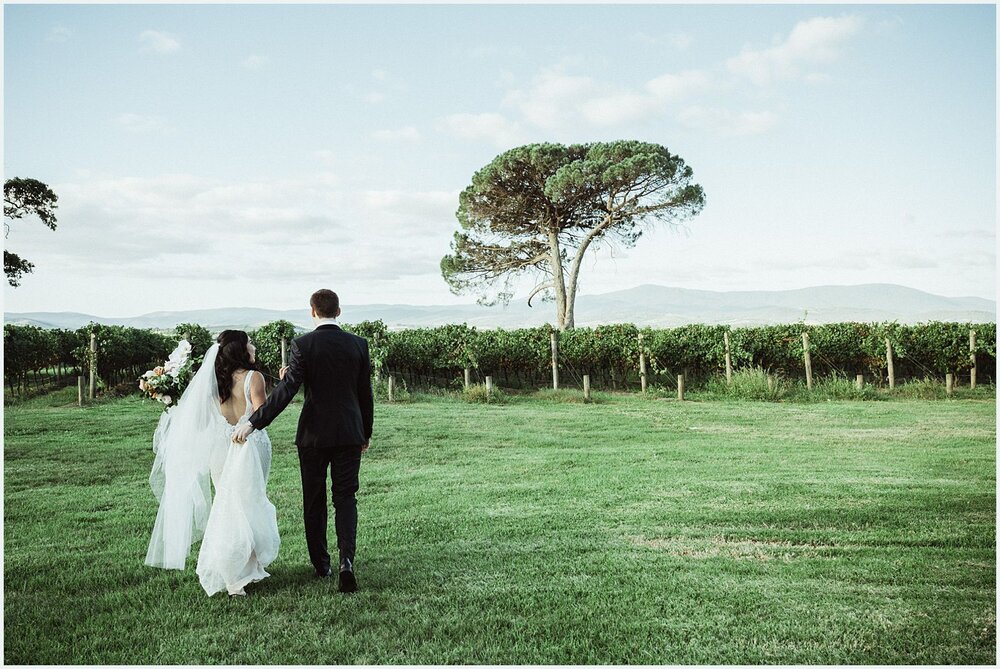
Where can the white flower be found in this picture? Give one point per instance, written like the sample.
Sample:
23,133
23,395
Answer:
179,356
166,399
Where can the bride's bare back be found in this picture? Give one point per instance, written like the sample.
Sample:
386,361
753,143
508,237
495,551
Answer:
235,407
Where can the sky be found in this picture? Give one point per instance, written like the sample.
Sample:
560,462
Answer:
247,155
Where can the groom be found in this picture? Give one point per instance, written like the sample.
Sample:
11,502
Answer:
334,428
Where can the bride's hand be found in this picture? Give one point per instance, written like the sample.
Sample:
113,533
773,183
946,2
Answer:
241,433
281,373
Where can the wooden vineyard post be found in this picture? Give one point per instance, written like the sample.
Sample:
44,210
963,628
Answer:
79,391
949,382
972,358
642,364
554,337
468,377
888,360
284,352
859,383
680,387
808,360
489,386
729,361
93,364
392,387
586,387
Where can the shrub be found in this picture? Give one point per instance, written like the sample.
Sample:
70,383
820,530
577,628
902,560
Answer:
751,383
476,394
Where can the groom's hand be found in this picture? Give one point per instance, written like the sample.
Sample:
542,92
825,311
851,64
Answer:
241,433
364,447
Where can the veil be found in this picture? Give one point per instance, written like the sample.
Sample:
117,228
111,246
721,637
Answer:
185,438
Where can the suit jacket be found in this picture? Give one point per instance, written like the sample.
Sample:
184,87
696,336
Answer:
335,368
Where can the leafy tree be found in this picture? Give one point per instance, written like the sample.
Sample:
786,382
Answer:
23,197
537,209
198,336
267,338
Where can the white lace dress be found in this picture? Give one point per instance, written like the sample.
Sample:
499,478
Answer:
241,536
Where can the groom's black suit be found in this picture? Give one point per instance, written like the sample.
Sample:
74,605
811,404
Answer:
336,422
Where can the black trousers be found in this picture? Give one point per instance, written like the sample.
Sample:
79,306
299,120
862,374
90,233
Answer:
344,462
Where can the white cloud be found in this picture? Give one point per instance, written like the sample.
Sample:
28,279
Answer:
816,41
557,100
140,124
681,85
380,74
437,205
324,156
183,225
623,107
494,128
680,40
154,41
373,97
726,122
255,62
59,34
817,78
553,96
407,134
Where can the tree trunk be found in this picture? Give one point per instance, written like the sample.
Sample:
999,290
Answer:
558,280
574,270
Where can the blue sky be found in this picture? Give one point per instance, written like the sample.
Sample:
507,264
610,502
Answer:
212,156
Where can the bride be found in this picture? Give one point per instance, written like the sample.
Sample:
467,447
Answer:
193,444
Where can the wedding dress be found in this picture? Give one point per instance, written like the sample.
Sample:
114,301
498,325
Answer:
239,529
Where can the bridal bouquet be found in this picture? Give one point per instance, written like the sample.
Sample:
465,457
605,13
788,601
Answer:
167,381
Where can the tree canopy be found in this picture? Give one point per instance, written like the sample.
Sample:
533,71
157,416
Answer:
536,210
23,197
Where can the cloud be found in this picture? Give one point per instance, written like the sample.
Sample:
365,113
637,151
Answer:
142,124
324,155
407,134
556,99
373,97
380,75
59,34
678,86
255,62
816,41
154,41
680,41
493,128
726,122
553,96
619,108
438,205
185,226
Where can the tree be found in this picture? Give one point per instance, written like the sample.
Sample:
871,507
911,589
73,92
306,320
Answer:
23,197
538,209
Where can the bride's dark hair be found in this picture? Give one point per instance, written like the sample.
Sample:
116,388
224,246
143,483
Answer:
233,355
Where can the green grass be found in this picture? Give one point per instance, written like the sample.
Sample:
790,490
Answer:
634,530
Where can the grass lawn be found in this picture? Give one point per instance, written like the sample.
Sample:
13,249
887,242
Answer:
628,531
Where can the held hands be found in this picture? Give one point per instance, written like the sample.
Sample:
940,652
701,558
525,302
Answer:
241,433
281,373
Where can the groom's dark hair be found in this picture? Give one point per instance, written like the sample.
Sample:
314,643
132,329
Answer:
325,302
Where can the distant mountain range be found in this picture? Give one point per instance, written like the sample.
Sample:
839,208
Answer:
650,305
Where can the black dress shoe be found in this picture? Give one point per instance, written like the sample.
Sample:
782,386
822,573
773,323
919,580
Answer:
347,582
324,573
